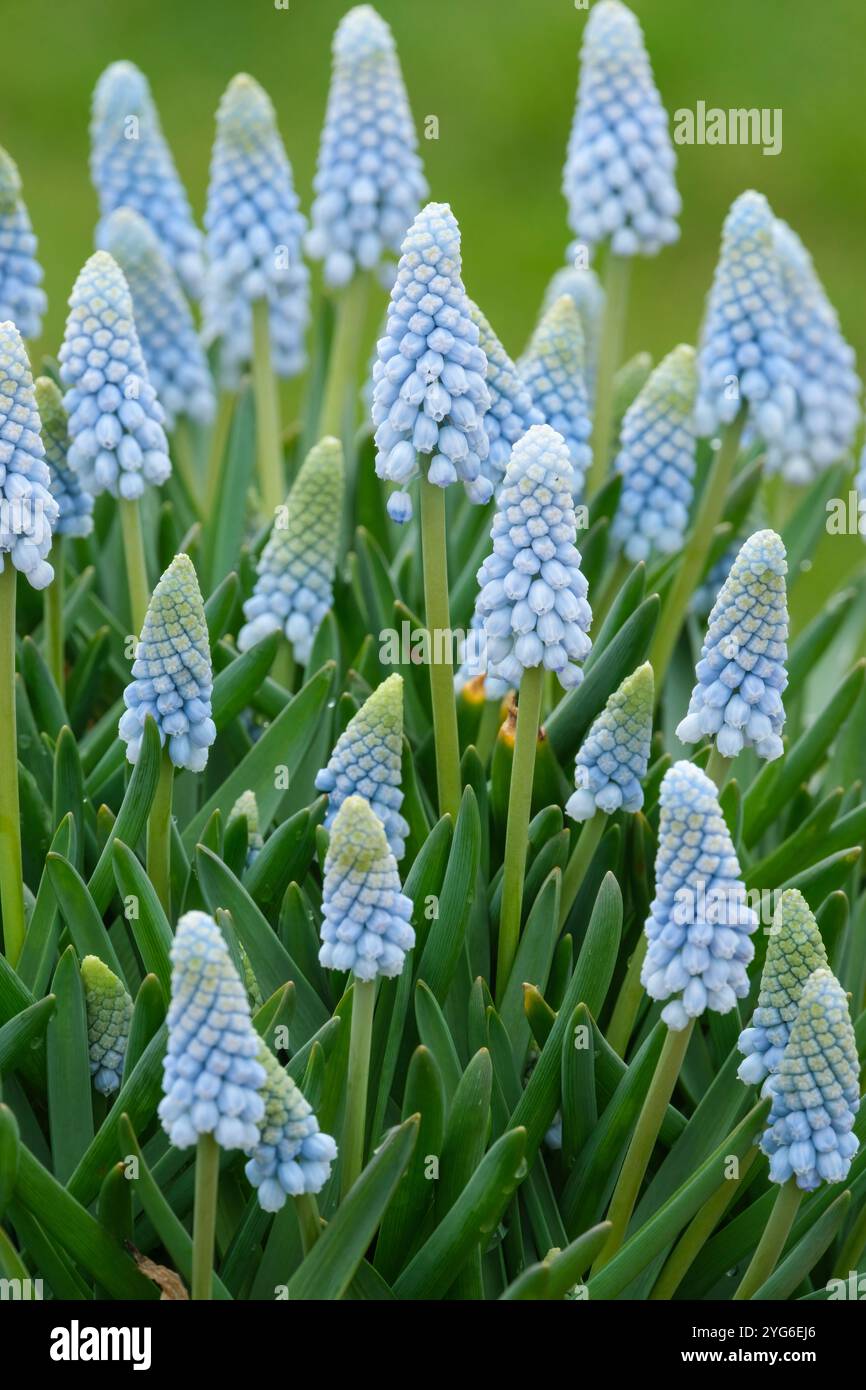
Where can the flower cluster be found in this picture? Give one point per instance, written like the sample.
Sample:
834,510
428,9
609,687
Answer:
612,761
109,1015
553,370
584,288
511,409
365,916
369,183
367,761
28,511
75,504
291,1154
22,299
247,806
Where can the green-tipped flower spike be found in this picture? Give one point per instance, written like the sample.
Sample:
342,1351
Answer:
741,674
172,673
367,761
248,807
28,512
816,1091
612,760
109,1014
74,502
365,915
584,287
292,1155
795,949
511,410
553,368
295,576
176,361
22,298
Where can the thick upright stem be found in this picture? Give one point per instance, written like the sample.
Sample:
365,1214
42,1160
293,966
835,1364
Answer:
309,1221
718,767
339,403
183,459
772,1242
575,870
54,597
628,1000
159,835
216,453
698,1232
269,451
517,826
11,876
609,357
438,616
136,565
488,728
207,1172
355,1119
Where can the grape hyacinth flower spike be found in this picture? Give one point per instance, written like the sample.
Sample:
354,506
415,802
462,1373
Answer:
553,371
511,409
132,166
291,1157
22,299
367,761
109,1015
583,287
247,806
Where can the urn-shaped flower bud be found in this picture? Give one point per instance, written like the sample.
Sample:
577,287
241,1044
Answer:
815,1090
131,166
553,369
619,174
247,806
291,1155
369,183
367,761
511,409
794,950
115,420
212,1075
176,363
737,700
744,354
28,511
583,286
700,922
22,299
532,593
294,586
612,761
657,460
429,388
109,1014
172,673
365,915
255,231
75,504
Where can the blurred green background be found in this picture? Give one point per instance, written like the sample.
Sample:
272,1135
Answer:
501,78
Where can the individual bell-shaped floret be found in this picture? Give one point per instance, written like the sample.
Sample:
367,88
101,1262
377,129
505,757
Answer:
532,593
212,1075
109,1015
74,502
511,409
22,299
815,1091
794,950
700,922
291,1155
247,806
367,761
583,286
172,673
737,701
612,761
657,460
369,182
553,368
28,511
429,389
472,655
255,232
294,586
131,166
618,179
366,925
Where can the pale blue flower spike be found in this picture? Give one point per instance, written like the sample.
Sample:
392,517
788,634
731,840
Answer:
22,298
255,232
28,511
291,1155
117,440
619,179
657,461
212,1075
429,389
74,502
794,950
511,409
472,655
612,760
131,166
176,362
367,761
815,1090
745,350
583,286
532,592
700,922
172,672
553,370
247,806
369,183
366,924
741,676
109,1015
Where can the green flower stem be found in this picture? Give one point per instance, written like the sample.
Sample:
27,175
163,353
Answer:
136,565
488,727
207,1173
309,1221
616,280
183,459
269,451
628,1000
339,403
772,1242
283,670
355,1119
218,442
11,876
159,834
438,616
718,767
54,597
517,825
698,1232
697,548
643,1141
581,857
611,586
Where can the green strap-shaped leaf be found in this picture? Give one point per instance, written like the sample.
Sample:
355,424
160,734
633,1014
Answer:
144,913
70,1111
404,1220
133,813
81,915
